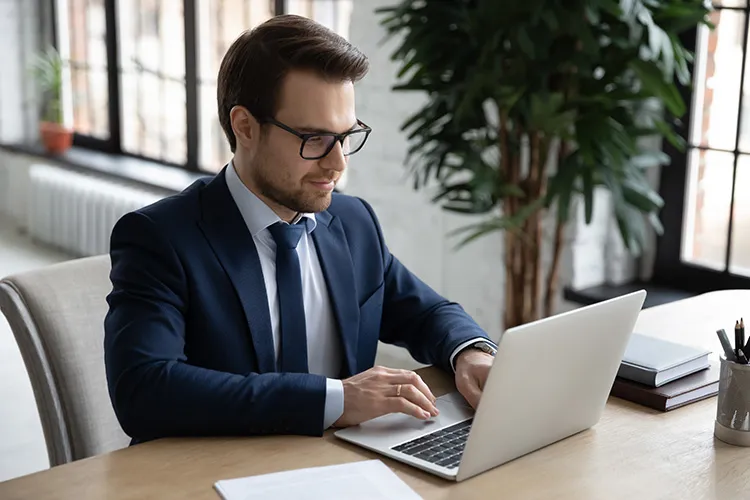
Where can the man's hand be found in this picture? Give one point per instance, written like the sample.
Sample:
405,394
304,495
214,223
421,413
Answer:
472,368
379,391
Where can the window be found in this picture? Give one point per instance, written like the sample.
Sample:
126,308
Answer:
151,77
84,48
706,244
141,74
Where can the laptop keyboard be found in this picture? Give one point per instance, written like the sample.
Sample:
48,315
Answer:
443,447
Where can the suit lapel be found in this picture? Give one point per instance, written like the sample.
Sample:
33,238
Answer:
336,263
233,245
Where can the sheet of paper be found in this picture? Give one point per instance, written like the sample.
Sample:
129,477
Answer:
369,479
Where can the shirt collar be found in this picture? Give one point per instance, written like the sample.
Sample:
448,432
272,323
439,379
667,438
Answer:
257,215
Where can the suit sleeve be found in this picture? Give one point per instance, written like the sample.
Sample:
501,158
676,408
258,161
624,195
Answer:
418,318
154,390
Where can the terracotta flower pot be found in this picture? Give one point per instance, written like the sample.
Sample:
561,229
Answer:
56,138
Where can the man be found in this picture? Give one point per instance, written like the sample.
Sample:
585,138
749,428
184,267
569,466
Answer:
253,302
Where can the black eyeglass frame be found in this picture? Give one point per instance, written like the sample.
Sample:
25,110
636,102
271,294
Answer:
339,137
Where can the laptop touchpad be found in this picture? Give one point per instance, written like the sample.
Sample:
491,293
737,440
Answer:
455,398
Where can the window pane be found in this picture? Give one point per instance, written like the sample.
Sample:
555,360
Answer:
744,141
335,14
219,24
152,78
82,45
739,262
706,219
717,81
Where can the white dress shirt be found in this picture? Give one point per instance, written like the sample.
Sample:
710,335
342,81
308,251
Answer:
324,352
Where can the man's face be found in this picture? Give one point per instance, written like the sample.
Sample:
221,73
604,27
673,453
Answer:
307,104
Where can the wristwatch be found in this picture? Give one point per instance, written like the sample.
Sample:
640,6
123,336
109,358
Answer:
483,346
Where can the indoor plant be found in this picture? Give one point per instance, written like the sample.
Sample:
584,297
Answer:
47,68
533,104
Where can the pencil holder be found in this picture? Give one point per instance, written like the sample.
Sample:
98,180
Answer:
733,404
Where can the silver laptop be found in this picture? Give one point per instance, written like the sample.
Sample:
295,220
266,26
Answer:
550,380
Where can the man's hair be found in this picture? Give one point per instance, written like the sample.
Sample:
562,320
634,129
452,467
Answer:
254,67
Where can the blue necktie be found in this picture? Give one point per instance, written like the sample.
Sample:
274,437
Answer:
293,355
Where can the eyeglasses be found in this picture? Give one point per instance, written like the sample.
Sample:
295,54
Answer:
317,145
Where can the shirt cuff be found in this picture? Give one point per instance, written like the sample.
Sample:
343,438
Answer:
466,344
334,406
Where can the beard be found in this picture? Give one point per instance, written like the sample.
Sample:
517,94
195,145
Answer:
279,188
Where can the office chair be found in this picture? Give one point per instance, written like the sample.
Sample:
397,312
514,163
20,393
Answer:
56,314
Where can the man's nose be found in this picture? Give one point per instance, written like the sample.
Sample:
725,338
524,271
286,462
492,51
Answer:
335,159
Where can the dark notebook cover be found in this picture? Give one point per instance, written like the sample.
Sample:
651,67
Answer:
685,390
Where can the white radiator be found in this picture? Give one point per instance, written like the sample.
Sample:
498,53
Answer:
76,212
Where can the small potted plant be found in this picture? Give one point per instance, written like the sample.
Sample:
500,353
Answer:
47,69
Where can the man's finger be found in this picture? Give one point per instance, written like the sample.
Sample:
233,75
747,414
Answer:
402,405
471,392
409,377
416,396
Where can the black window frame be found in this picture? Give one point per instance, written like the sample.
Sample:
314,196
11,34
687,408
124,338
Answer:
113,145
669,268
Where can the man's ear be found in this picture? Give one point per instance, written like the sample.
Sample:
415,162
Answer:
246,128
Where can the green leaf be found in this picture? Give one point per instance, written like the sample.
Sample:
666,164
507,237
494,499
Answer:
507,97
650,159
561,186
546,114
549,18
653,81
641,195
653,218
675,140
525,43
47,67
480,229
632,228
498,223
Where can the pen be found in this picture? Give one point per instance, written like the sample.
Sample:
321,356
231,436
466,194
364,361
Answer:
742,334
737,343
728,351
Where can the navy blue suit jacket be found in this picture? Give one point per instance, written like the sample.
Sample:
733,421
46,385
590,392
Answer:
188,343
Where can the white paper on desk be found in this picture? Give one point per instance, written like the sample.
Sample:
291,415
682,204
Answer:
369,479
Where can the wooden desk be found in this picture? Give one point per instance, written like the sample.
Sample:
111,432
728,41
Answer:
632,453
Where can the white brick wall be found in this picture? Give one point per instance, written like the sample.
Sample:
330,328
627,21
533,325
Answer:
19,35
14,187
10,78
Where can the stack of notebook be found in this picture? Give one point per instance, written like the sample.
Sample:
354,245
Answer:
665,375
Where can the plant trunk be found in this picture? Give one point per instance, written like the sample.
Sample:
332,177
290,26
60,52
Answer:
509,167
553,276
550,289
523,247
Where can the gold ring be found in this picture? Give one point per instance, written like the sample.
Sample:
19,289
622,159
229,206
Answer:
398,391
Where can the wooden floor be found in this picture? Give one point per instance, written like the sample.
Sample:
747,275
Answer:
22,449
